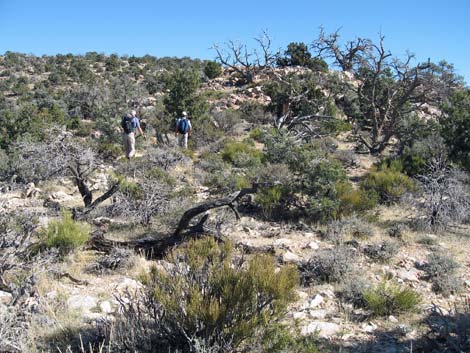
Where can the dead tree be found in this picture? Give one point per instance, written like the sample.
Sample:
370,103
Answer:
347,56
385,89
157,245
292,93
61,155
245,62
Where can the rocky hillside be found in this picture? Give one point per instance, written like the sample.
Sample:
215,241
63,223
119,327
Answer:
321,242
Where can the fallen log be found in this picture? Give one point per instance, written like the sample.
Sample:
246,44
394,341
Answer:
157,245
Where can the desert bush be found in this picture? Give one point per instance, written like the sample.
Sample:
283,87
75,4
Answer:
347,158
388,298
351,290
117,259
388,183
354,200
448,332
255,113
381,252
335,126
397,230
13,331
212,70
441,271
205,298
328,265
242,154
281,339
64,234
226,120
445,198
338,230
455,125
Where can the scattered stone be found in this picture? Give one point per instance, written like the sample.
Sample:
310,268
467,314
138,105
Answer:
393,319
368,327
411,275
85,303
323,329
299,315
59,196
318,314
5,297
31,191
290,257
313,245
106,307
128,285
316,301
302,294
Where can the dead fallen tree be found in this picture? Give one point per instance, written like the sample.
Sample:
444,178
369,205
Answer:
157,245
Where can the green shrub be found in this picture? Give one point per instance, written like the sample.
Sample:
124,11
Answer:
207,298
64,234
354,200
280,339
456,125
388,298
388,183
109,150
241,154
335,126
160,174
212,70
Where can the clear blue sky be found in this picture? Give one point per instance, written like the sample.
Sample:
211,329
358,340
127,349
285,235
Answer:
435,29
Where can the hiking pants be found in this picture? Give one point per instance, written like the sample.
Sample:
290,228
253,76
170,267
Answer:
183,140
129,144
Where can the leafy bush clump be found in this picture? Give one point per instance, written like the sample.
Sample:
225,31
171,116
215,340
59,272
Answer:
328,265
206,299
241,154
388,183
440,269
212,70
387,298
65,234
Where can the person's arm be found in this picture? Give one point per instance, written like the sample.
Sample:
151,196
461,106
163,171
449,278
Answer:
137,123
141,132
190,128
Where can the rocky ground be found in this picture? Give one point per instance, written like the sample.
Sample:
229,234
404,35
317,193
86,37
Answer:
85,297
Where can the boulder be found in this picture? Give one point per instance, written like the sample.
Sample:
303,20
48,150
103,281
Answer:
5,297
85,303
323,329
290,257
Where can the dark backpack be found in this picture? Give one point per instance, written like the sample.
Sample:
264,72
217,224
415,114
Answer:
183,126
127,125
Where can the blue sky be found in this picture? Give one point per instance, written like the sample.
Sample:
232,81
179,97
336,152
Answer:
434,29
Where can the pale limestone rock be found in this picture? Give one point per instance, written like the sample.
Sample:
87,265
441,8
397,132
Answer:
290,257
323,329
106,307
5,297
85,303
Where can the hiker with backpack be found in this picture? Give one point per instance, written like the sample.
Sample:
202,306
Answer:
129,124
183,128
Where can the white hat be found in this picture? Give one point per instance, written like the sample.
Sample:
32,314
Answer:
184,113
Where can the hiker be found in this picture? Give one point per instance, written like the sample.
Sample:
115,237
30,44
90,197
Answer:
129,124
184,128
